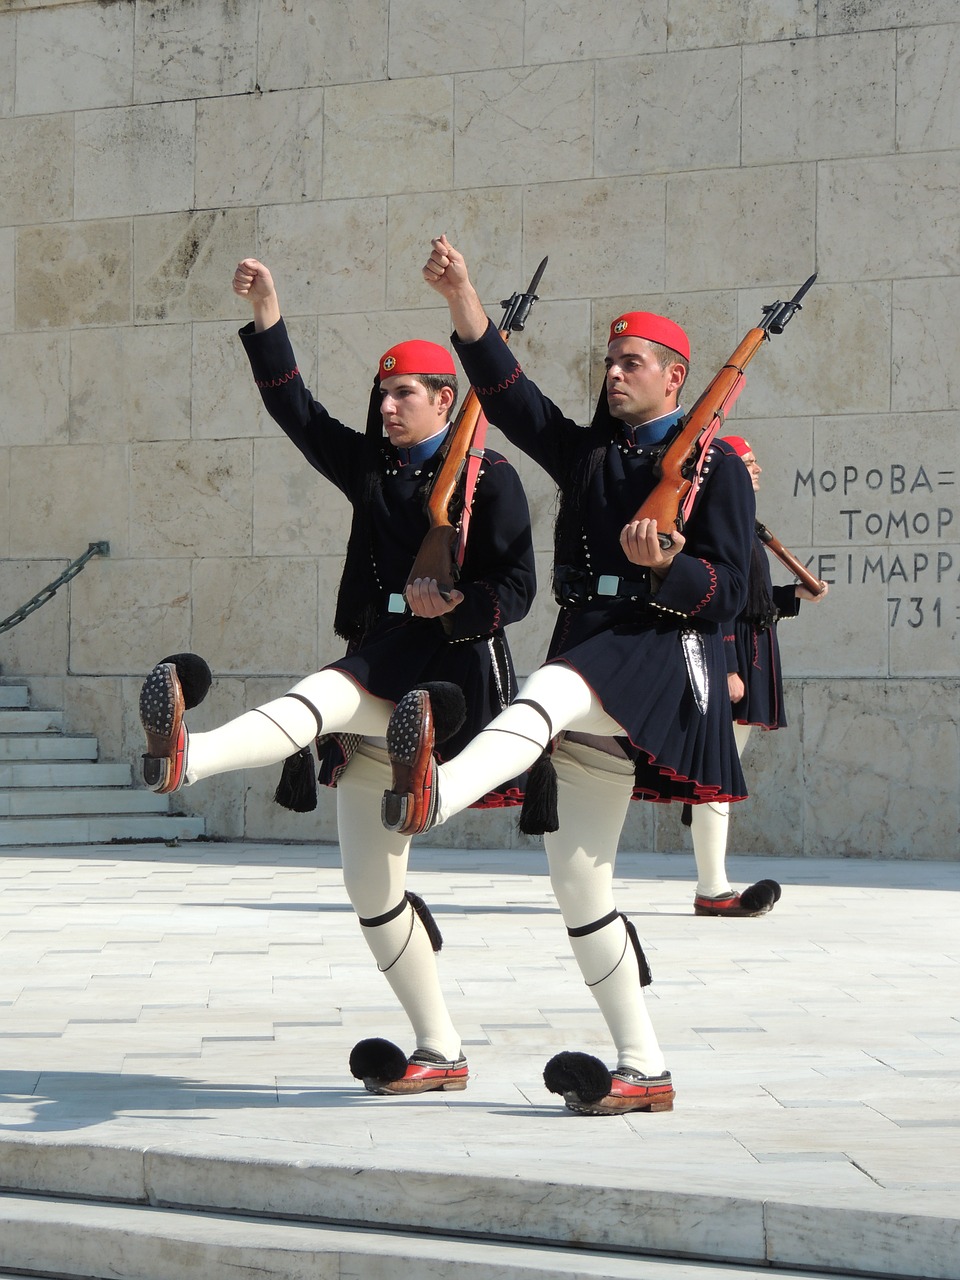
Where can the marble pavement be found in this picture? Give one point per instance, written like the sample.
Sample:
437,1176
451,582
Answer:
175,1024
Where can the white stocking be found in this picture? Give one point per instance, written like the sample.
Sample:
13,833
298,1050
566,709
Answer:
513,741
593,794
374,874
708,829
279,728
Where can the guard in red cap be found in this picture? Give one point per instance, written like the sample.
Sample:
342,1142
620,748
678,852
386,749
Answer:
755,683
621,708
397,637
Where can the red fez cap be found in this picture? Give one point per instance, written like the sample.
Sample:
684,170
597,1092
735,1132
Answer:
737,443
416,356
644,324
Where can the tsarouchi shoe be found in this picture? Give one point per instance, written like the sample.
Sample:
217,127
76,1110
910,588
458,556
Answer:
589,1088
755,901
172,687
410,805
384,1070
161,714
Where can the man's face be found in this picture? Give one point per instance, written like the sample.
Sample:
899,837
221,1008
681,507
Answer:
638,390
409,414
753,466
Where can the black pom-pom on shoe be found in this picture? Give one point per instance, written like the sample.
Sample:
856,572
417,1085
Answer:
579,1073
449,708
760,897
194,676
774,888
377,1059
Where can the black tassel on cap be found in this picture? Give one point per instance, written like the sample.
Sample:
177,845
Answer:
539,812
194,676
427,920
297,788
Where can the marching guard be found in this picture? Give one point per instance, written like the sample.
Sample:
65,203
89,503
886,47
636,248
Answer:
397,636
755,684
631,701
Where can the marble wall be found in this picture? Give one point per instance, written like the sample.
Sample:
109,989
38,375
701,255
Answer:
701,157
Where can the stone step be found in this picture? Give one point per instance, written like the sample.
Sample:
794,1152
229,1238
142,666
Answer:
17,720
50,1236
52,747
98,829
43,774
54,790
36,802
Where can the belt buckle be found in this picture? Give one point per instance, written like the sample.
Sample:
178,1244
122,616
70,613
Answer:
396,603
608,584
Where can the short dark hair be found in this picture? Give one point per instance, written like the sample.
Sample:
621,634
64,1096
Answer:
435,381
667,355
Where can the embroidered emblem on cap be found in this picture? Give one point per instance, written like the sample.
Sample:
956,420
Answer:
388,363
654,328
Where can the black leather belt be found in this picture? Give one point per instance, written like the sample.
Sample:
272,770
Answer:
573,588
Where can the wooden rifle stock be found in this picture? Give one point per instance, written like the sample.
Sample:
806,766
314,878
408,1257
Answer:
437,558
789,559
670,500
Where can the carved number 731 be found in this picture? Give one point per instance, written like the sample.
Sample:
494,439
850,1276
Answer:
914,615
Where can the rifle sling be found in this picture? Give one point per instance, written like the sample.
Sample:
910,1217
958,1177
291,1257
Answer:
474,461
706,440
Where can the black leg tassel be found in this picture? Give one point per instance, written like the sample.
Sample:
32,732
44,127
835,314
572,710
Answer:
297,788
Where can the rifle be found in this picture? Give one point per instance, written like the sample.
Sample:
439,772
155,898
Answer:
437,557
678,468
789,559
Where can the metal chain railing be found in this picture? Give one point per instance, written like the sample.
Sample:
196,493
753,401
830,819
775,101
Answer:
41,598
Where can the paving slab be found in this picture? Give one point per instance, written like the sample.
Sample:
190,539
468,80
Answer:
175,1024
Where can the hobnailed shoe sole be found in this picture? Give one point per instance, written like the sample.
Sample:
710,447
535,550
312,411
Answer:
410,805
161,715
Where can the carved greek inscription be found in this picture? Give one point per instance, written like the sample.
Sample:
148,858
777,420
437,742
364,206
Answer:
903,530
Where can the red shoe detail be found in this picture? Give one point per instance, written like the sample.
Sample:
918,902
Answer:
727,904
425,1072
755,901
629,1091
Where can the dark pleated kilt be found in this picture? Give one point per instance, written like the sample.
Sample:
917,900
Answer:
758,664
398,655
638,672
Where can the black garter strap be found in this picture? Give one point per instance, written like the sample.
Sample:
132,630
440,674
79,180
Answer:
528,702
310,707
419,911
374,922
646,977
597,925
